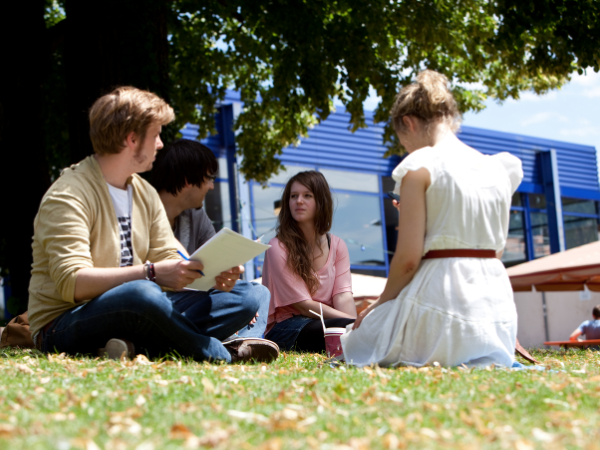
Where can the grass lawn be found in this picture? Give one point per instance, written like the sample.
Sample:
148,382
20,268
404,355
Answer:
56,402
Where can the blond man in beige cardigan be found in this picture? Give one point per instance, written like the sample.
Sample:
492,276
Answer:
103,249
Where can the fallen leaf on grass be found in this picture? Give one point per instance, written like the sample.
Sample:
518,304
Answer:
141,400
60,417
44,380
7,430
142,360
116,444
428,432
271,444
25,369
306,422
180,431
213,438
551,401
208,385
396,424
541,435
306,381
210,439
123,424
248,416
86,444
523,445
390,442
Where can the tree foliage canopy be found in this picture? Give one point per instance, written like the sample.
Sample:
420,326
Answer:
291,59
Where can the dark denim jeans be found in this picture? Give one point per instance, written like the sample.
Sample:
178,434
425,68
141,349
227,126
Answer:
190,323
285,333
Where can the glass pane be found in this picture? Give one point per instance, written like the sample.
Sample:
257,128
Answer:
265,219
537,201
580,231
288,172
515,250
357,220
391,215
217,206
351,181
578,205
516,199
222,168
540,234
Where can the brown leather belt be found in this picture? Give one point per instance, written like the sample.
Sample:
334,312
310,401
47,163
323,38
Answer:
460,253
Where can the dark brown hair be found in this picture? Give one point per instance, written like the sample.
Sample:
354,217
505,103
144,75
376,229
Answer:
300,250
429,99
596,312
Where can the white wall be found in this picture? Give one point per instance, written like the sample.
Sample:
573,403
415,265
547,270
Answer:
565,313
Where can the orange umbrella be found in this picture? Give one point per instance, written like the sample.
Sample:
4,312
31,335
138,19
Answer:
565,271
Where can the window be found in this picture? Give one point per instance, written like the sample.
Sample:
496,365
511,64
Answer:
391,215
351,181
357,220
540,234
217,206
580,221
515,250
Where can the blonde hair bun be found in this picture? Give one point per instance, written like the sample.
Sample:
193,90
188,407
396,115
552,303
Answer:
429,98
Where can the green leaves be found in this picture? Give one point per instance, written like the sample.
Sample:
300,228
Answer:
291,60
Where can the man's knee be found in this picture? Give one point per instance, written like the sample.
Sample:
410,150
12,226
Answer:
252,295
142,296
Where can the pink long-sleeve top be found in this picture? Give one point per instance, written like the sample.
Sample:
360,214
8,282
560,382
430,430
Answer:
287,288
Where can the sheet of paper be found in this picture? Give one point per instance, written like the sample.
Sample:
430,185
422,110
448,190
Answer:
224,250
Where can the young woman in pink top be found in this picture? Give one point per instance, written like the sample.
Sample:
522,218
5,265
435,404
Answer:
306,266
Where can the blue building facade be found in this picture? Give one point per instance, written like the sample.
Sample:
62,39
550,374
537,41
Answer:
555,207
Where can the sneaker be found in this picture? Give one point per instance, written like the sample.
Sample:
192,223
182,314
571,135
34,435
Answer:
117,349
252,350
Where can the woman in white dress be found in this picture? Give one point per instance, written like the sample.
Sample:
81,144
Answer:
448,297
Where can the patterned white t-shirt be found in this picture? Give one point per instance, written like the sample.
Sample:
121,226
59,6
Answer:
122,201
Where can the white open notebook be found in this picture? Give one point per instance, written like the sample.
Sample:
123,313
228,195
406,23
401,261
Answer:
224,250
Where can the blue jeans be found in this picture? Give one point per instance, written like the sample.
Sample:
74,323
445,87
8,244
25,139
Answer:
190,323
285,333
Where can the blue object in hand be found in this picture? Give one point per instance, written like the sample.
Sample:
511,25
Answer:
187,259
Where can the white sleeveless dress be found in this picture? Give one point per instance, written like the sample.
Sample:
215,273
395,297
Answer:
455,310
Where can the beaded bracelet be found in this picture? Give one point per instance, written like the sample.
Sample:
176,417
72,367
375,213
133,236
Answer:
150,274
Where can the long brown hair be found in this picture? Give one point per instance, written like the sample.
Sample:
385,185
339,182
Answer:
300,249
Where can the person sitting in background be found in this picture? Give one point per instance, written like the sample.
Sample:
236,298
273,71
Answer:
183,173
306,268
589,328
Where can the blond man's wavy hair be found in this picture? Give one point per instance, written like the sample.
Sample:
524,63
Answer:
113,116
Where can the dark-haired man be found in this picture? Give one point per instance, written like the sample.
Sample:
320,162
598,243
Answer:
589,328
103,249
183,174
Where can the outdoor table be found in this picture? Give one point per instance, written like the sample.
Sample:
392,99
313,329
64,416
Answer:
567,344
